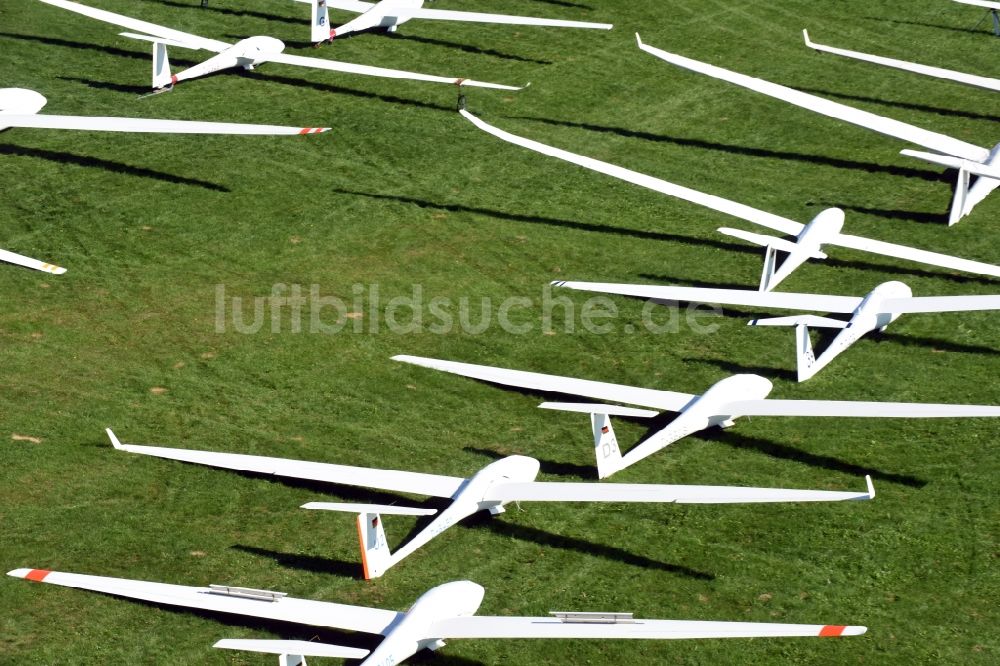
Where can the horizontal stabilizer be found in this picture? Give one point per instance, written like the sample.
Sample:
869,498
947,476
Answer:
592,408
808,320
975,168
160,40
303,648
766,241
369,508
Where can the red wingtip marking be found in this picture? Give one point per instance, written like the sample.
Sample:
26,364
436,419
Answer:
832,630
38,575
305,130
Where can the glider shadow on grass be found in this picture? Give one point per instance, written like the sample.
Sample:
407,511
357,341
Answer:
556,222
906,172
287,630
107,165
235,12
926,25
903,105
468,48
83,46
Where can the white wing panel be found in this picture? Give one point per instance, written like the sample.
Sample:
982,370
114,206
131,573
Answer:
881,124
192,41
545,627
917,304
849,409
117,124
369,70
543,491
286,609
726,206
28,262
913,254
383,479
535,381
927,70
765,299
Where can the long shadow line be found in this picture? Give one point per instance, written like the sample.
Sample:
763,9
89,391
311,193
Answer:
556,222
785,452
903,105
615,554
83,46
926,25
906,172
107,165
922,217
468,48
304,21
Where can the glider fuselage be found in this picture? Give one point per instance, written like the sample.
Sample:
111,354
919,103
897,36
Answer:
246,53
809,243
470,499
703,412
870,315
412,632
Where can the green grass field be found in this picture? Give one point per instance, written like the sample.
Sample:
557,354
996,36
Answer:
404,192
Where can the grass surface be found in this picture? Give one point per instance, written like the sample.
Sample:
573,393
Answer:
404,192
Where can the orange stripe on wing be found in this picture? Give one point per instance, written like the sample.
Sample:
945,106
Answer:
832,630
38,575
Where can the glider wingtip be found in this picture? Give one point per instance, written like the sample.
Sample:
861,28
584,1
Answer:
871,486
19,573
114,440
638,40
805,36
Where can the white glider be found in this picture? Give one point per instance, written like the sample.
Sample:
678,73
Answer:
20,108
875,310
247,53
390,14
511,479
723,402
823,229
937,72
443,612
968,159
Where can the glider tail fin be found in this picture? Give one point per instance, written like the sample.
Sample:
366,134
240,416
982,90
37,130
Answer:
609,456
320,21
804,356
162,78
375,556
